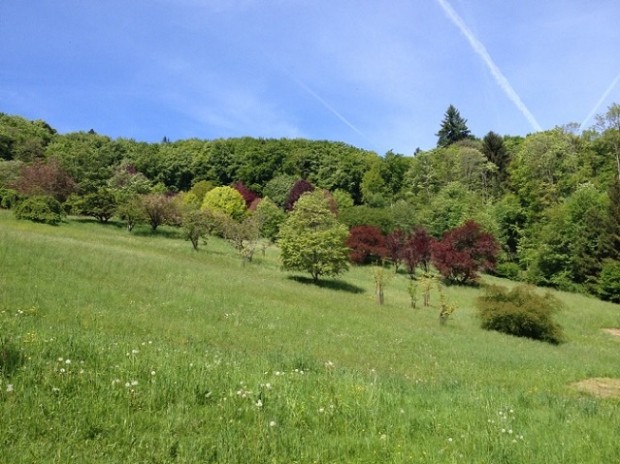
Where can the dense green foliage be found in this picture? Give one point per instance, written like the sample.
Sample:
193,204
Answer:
225,200
609,282
312,240
551,199
520,312
40,208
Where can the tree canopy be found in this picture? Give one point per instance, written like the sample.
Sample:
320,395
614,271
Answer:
312,240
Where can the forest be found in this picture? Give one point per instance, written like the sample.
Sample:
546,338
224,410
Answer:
551,200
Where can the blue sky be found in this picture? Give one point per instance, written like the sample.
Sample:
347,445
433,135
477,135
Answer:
372,73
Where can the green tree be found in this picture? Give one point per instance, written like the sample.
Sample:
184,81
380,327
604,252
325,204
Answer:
374,191
609,281
609,124
312,240
544,170
278,188
271,217
225,200
100,204
195,225
495,150
453,128
200,189
159,209
131,210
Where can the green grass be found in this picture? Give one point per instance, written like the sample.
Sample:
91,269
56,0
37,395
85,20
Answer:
178,356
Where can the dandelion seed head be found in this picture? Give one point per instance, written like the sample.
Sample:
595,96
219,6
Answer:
272,424
9,388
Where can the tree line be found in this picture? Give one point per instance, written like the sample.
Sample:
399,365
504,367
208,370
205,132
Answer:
551,199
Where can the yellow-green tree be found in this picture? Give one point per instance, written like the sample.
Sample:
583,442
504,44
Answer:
225,200
312,240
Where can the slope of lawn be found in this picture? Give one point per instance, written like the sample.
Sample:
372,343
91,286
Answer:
121,347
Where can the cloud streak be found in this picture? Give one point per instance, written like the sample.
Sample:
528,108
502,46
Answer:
318,98
481,51
600,102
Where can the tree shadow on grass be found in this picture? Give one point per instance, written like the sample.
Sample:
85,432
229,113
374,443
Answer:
159,232
338,285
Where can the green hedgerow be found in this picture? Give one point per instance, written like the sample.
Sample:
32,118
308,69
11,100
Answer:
520,312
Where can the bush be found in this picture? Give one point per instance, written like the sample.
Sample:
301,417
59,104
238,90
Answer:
520,312
508,270
8,198
609,282
40,208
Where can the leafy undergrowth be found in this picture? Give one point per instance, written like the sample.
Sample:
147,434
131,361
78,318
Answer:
134,348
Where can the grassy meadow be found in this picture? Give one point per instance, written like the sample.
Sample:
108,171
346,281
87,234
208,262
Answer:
133,348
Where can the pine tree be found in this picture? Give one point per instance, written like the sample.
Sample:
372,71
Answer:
453,128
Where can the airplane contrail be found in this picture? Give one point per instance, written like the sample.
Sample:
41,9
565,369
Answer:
318,98
600,102
481,50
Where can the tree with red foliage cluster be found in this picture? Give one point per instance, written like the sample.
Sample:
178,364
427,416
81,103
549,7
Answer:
463,252
366,244
297,190
246,193
45,178
416,251
394,243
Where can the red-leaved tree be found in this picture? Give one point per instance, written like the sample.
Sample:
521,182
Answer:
45,178
297,190
394,243
416,250
366,244
245,192
463,252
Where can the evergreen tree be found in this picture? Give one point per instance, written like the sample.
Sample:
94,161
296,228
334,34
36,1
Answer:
494,149
453,128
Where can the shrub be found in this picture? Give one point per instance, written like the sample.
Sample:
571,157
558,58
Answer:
520,312
8,198
508,270
40,208
609,282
